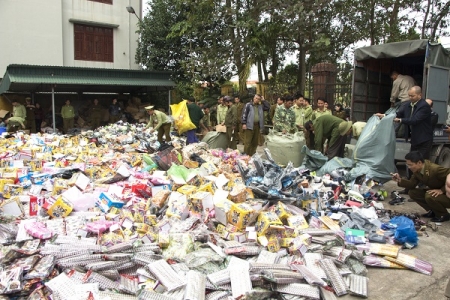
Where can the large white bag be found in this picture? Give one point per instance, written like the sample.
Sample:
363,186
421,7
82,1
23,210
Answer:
286,147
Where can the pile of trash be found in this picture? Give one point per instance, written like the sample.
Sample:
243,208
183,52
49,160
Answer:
112,214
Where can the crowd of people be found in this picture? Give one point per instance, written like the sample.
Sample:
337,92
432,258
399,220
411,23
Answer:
31,116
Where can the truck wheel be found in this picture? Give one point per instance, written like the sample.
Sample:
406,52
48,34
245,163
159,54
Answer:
444,158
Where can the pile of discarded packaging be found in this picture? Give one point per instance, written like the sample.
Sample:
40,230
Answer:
104,215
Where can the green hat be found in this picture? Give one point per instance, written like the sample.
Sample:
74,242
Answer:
344,127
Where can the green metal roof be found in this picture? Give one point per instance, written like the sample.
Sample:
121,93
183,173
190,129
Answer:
32,78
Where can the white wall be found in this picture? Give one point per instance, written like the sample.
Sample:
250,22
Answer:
38,32
30,33
125,36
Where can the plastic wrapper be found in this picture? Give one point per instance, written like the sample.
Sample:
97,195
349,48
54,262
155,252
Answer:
38,230
257,161
377,261
11,280
8,233
42,269
405,231
412,263
202,256
181,118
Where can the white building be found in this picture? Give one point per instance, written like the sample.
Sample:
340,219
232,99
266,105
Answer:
69,33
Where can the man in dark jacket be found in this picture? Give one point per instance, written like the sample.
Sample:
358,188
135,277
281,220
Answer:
417,116
252,123
195,114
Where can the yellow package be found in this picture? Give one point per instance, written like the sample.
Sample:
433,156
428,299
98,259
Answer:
59,186
60,208
282,211
35,165
142,227
4,181
187,189
240,215
135,160
12,190
265,221
207,187
273,245
150,219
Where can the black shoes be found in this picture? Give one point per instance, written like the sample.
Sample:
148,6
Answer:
443,218
429,214
397,201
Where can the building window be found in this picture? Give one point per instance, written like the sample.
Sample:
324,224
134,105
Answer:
103,1
93,43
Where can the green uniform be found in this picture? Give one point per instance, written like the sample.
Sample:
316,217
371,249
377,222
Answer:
221,113
307,114
206,121
20,111
326,127
318,113
31,124
284,120
239,109
68,115
433,176
231,119
18,119
160,122
96,115
195,114
299,112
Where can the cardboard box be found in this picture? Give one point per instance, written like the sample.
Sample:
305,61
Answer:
282,211
221,209
201,202
106,201
265,221
297,222
240,215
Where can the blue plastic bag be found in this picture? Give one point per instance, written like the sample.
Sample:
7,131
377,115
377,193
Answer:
405,231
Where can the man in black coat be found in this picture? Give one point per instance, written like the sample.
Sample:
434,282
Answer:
419,121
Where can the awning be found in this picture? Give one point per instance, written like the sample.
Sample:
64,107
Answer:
35,79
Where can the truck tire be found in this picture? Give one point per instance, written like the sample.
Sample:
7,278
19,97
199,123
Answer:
444,158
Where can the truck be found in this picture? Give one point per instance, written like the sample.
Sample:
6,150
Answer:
427,63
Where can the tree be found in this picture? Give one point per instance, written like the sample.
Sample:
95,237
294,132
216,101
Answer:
156,49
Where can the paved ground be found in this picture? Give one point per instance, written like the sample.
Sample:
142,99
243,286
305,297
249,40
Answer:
405,284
